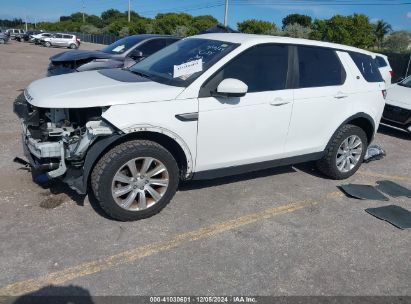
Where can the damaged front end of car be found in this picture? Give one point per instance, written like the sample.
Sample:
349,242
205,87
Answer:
56,141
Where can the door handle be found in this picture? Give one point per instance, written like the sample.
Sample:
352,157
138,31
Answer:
279,102
340,95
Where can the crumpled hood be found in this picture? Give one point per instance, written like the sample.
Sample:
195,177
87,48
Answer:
399,96
93,89
78,55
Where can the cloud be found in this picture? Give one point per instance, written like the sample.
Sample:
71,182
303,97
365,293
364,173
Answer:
409,15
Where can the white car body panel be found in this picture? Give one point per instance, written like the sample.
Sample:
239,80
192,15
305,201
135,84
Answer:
92,89
399,96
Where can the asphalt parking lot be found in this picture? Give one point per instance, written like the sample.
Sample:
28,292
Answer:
283,231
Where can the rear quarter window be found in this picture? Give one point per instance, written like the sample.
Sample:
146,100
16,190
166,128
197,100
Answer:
319,67
367,66
381,62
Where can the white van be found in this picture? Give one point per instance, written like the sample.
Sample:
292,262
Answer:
204,107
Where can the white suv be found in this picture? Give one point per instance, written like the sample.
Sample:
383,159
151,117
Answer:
65,40
204,107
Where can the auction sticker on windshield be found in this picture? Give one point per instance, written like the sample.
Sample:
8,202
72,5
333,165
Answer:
188,68
119,48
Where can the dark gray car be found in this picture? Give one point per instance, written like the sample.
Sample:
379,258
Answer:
4,37
122,53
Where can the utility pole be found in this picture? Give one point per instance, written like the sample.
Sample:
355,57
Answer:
26,23
226,13
129,11
84,18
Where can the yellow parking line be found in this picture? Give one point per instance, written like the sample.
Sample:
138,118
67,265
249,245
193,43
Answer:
391,177
89,268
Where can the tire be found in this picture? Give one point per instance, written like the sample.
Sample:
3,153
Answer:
72,46
328,164
115,163
47,44
2,41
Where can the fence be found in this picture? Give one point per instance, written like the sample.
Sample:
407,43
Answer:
400,64
96,38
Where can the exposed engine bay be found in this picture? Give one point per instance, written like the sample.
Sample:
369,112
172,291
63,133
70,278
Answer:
58,139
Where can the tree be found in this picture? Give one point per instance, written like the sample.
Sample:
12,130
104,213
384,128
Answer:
296,30
355,30
89,29
381,29
167,23
302,20
201,23
397,41
112,15
253,26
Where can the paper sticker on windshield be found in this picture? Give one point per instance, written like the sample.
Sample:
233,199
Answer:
188,68
119,48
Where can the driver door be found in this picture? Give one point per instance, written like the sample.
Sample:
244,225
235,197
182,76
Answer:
236,131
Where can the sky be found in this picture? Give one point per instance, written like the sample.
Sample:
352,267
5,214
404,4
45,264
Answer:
395,12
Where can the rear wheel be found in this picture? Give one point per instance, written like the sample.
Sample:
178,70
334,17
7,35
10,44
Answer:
345,153
135,180
72,46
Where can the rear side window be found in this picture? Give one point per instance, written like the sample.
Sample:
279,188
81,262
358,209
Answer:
67,36
319,67
367,66
381,62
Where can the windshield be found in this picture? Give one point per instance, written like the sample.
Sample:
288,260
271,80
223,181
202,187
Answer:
406,82
184,61
123,45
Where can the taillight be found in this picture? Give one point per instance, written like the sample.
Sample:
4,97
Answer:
384,94
392,73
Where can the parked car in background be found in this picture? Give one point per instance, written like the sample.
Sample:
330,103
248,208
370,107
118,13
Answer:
122,53
61,40
397,112
37,38
385,68
206,106
14,33
4,37
29,34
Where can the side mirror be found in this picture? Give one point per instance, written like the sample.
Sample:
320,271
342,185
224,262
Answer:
231,87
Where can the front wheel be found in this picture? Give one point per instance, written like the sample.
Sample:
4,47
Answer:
345,153
47,44
135,180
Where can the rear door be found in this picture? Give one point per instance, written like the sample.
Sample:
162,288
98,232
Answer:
321,99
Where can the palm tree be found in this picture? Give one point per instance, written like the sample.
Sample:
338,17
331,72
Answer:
381,29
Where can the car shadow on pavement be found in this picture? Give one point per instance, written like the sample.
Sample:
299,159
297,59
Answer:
57,187
199,184
53,295
311,169
386,130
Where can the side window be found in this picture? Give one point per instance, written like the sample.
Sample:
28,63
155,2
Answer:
171,41
261,68
367,66
319,67
151,46
58,36
381,62
67,36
